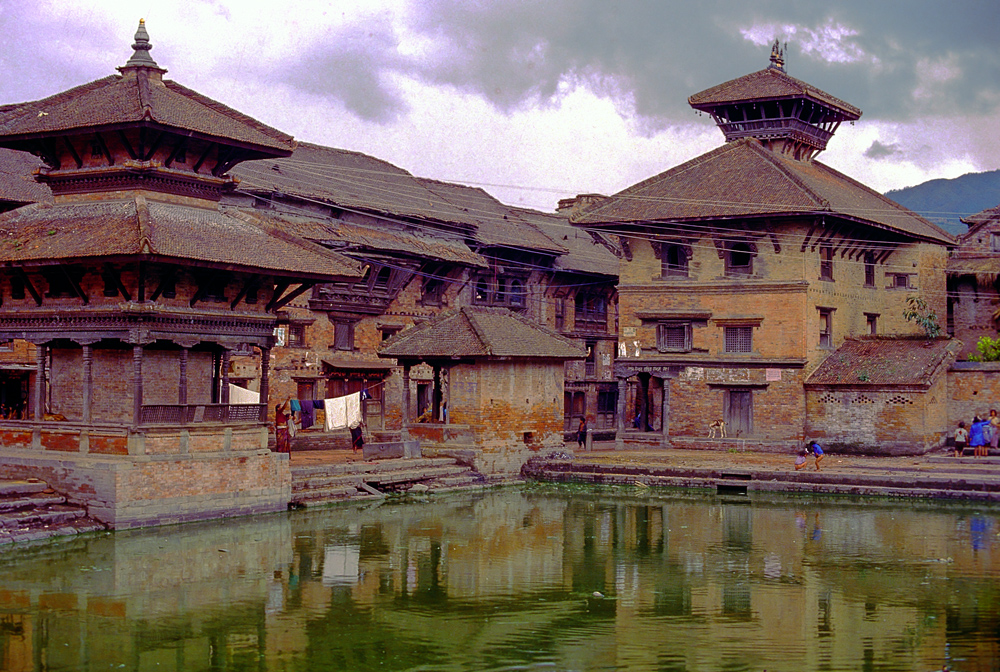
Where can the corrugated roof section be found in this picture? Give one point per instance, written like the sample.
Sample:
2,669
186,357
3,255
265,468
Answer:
886,361
480,333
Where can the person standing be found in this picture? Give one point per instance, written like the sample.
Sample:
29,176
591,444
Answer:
977,436
994,429
961,439
581,432
282,443
817,451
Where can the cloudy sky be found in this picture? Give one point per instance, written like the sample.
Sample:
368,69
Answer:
540,100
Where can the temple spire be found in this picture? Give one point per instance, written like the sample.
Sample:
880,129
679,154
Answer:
777,57
140,57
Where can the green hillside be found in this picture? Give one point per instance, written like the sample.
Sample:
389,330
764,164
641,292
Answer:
945,201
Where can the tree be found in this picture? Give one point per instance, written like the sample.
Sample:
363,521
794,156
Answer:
918,311
989,350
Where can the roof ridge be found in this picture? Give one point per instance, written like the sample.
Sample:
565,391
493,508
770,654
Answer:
467,313
225,110
777,162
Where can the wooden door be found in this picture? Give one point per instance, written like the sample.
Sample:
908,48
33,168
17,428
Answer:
739,413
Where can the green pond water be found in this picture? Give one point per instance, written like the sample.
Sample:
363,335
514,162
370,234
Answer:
537,578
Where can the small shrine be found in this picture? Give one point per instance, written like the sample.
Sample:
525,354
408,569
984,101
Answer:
135,287
497,390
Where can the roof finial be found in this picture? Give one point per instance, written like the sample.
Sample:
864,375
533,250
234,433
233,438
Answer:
141,57
777,56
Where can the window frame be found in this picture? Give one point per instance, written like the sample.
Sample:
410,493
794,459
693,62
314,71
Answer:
826,327
826,263
663,342
869,269
734,335
678,268
343,336
734,270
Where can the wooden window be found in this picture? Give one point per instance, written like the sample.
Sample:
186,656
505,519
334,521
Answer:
560,309
739,259
296,336
305,389
515,293
432,292
673,337
825,327
826,262
387,332
591,312
590,368
869,269
343,335
900,281
673,261
739,339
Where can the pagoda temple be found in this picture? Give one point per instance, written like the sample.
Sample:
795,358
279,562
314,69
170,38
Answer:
135,285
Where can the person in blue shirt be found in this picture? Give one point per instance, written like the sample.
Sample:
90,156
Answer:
816,450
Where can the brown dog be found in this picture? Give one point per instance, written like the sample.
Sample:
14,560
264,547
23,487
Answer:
718,425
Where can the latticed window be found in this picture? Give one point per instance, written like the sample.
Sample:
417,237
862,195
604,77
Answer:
673,337
739,339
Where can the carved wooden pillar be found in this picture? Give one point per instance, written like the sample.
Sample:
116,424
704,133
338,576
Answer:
182,383
88,381
642,394
224,396
265,381
405,430
39,401
620,413
136,384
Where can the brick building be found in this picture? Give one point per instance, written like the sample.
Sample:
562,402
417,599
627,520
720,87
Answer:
744,268
496,390
974,281
427,247
135,286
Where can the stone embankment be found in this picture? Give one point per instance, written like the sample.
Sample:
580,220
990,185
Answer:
934,477
321,479
31,511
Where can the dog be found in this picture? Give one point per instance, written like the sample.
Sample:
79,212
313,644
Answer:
718,425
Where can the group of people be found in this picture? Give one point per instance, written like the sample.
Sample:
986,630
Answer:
981,435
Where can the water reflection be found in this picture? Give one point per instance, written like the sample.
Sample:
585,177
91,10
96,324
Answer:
533,579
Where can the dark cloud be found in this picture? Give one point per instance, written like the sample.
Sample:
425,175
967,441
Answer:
878,150
352,65
899,59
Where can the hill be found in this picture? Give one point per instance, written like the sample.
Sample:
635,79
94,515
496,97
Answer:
945,201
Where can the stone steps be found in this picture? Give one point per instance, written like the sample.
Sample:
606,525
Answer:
30,511
317,485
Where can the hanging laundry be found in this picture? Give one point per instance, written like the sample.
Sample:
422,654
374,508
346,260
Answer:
308,413
336,413
241,395
353,410
296,406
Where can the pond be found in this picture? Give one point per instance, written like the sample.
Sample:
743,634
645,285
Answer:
533,578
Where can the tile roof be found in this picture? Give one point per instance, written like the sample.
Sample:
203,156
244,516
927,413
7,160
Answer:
138,96
496,224
348,237
352,180
744,179
480,333
586,251
17,183
132,226
886,361
767,84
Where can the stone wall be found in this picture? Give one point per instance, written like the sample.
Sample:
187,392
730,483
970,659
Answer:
877,421
973,389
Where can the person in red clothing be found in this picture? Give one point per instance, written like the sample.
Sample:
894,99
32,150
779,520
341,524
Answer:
283,443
